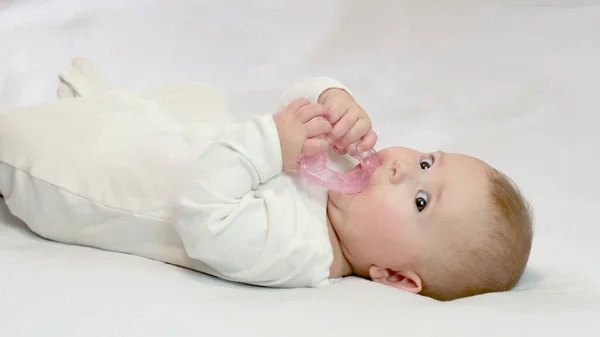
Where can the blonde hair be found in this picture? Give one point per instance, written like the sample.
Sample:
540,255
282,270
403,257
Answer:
496,258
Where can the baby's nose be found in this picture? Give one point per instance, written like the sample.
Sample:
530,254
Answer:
400,171
396,172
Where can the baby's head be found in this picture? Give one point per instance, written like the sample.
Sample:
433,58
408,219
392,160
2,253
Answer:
443,225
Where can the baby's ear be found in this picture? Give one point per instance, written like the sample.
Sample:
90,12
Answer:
405,280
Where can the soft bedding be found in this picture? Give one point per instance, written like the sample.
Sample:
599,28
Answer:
513,82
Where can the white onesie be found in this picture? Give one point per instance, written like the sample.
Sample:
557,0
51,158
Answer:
164,175
245,218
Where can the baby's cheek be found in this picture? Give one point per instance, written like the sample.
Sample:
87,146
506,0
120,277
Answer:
386,220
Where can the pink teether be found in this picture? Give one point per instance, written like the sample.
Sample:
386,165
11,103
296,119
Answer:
314,168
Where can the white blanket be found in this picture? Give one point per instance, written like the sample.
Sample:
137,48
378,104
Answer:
514,82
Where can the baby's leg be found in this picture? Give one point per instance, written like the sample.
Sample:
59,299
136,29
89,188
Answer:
191,102
186,103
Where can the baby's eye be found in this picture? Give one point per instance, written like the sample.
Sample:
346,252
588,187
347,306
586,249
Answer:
421,201
426,163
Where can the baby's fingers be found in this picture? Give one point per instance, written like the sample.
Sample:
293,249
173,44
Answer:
309,112
356,133
368,141
297,104
314,146
342,127
317,127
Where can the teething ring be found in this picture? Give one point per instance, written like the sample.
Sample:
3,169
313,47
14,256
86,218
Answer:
315,169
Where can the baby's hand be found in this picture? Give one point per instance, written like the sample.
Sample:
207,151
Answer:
299,130
350,122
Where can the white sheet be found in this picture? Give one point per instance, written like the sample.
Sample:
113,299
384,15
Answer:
514,82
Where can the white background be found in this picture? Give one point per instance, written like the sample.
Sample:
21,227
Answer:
513,82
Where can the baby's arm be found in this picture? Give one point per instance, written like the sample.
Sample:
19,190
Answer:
217,216
221,218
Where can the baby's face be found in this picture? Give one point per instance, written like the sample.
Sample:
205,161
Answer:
413,201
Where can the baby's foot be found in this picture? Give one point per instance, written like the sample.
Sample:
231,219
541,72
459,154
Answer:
65,90
81,79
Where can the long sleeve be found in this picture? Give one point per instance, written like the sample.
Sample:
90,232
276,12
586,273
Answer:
217,216
243,217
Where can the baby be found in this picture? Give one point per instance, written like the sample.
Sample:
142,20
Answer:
438,224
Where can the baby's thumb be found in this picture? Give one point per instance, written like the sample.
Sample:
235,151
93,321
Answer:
297,104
